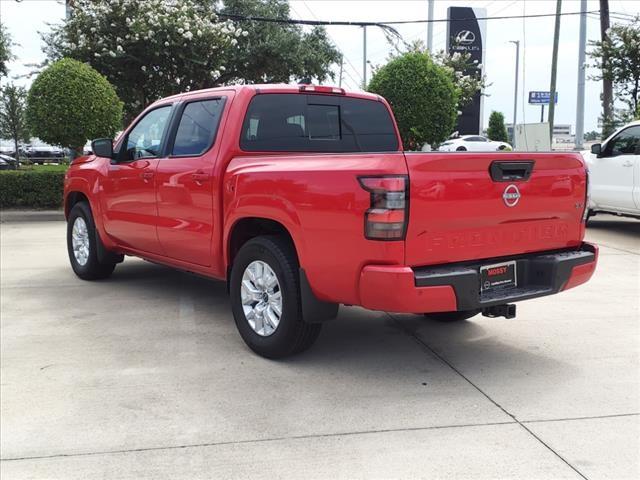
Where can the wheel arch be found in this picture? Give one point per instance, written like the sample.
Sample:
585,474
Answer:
246,228
78,189
72,198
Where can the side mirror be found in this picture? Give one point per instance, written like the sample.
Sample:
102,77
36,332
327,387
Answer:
102,147
596,148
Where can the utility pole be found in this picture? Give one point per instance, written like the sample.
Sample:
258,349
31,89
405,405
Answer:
554,70
515,93
364,57
430,26
582,45
341,67
607,88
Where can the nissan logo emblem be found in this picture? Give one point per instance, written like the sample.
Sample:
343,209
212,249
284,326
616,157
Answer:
465,37
511,195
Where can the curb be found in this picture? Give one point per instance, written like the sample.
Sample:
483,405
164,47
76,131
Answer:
20,216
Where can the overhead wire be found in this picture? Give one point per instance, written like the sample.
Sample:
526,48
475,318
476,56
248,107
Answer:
357,83
386,25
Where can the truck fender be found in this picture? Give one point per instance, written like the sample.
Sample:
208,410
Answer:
81,185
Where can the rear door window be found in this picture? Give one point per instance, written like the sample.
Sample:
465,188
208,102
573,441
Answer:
197,127
317,123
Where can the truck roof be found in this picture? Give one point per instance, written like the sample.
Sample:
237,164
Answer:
277,88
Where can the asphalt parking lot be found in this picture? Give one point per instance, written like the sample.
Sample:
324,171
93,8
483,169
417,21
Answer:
144,376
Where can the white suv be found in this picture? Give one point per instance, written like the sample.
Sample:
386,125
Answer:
614,173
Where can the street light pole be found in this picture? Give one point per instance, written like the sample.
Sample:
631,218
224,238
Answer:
515,92
364,57
554,71
430,26
582,42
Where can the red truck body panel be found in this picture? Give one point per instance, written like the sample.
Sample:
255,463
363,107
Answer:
458,213
181,211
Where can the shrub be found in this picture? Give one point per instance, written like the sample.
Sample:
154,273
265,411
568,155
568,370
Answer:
31,189
497,131
70,103
422,96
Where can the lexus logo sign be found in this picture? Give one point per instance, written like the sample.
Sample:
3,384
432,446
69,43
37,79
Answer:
511,195
465,37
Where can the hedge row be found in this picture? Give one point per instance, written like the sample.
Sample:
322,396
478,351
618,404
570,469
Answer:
31,189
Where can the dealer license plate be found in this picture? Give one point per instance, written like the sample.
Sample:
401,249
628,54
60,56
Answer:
498,276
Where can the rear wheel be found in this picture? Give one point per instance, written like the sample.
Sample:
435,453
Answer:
265,299
82,239
452,316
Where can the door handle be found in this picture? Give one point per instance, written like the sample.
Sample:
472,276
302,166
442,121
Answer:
627,164
146,176
200,177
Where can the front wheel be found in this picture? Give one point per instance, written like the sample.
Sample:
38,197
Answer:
82,247
457,316
265,299
461,149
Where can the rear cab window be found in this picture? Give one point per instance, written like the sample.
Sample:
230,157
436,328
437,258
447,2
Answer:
290,122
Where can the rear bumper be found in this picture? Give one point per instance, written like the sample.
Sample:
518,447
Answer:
457,286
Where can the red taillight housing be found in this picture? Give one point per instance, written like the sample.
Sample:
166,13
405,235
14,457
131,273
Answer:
387,216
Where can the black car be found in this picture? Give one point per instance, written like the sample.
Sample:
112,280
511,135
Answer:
8,163
43,153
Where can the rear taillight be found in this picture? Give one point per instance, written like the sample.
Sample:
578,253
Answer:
386,218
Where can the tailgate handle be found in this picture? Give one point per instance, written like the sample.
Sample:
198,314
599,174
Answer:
502,171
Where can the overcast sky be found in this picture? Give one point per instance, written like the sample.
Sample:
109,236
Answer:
25,19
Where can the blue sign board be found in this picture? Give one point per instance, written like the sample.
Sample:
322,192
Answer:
541,98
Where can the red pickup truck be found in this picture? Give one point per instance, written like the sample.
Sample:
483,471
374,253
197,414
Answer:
302,198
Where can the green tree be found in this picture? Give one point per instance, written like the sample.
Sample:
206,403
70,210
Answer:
70,103
466,76
275,52
147,49
623,49
497,131
150,49
5,50
13,123
422,95
592,135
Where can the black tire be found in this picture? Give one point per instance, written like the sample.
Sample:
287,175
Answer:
93,269
461,149
590,215
452,316
292,334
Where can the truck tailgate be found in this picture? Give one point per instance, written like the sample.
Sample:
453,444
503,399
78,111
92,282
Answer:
463,209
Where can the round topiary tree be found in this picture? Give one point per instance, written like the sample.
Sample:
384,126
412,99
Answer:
70,103
497,131
422,95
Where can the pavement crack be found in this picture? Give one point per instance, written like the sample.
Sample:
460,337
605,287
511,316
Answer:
255,440
590,417
440,357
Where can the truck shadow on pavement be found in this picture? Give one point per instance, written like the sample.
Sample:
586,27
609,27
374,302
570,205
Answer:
622,225
358,342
